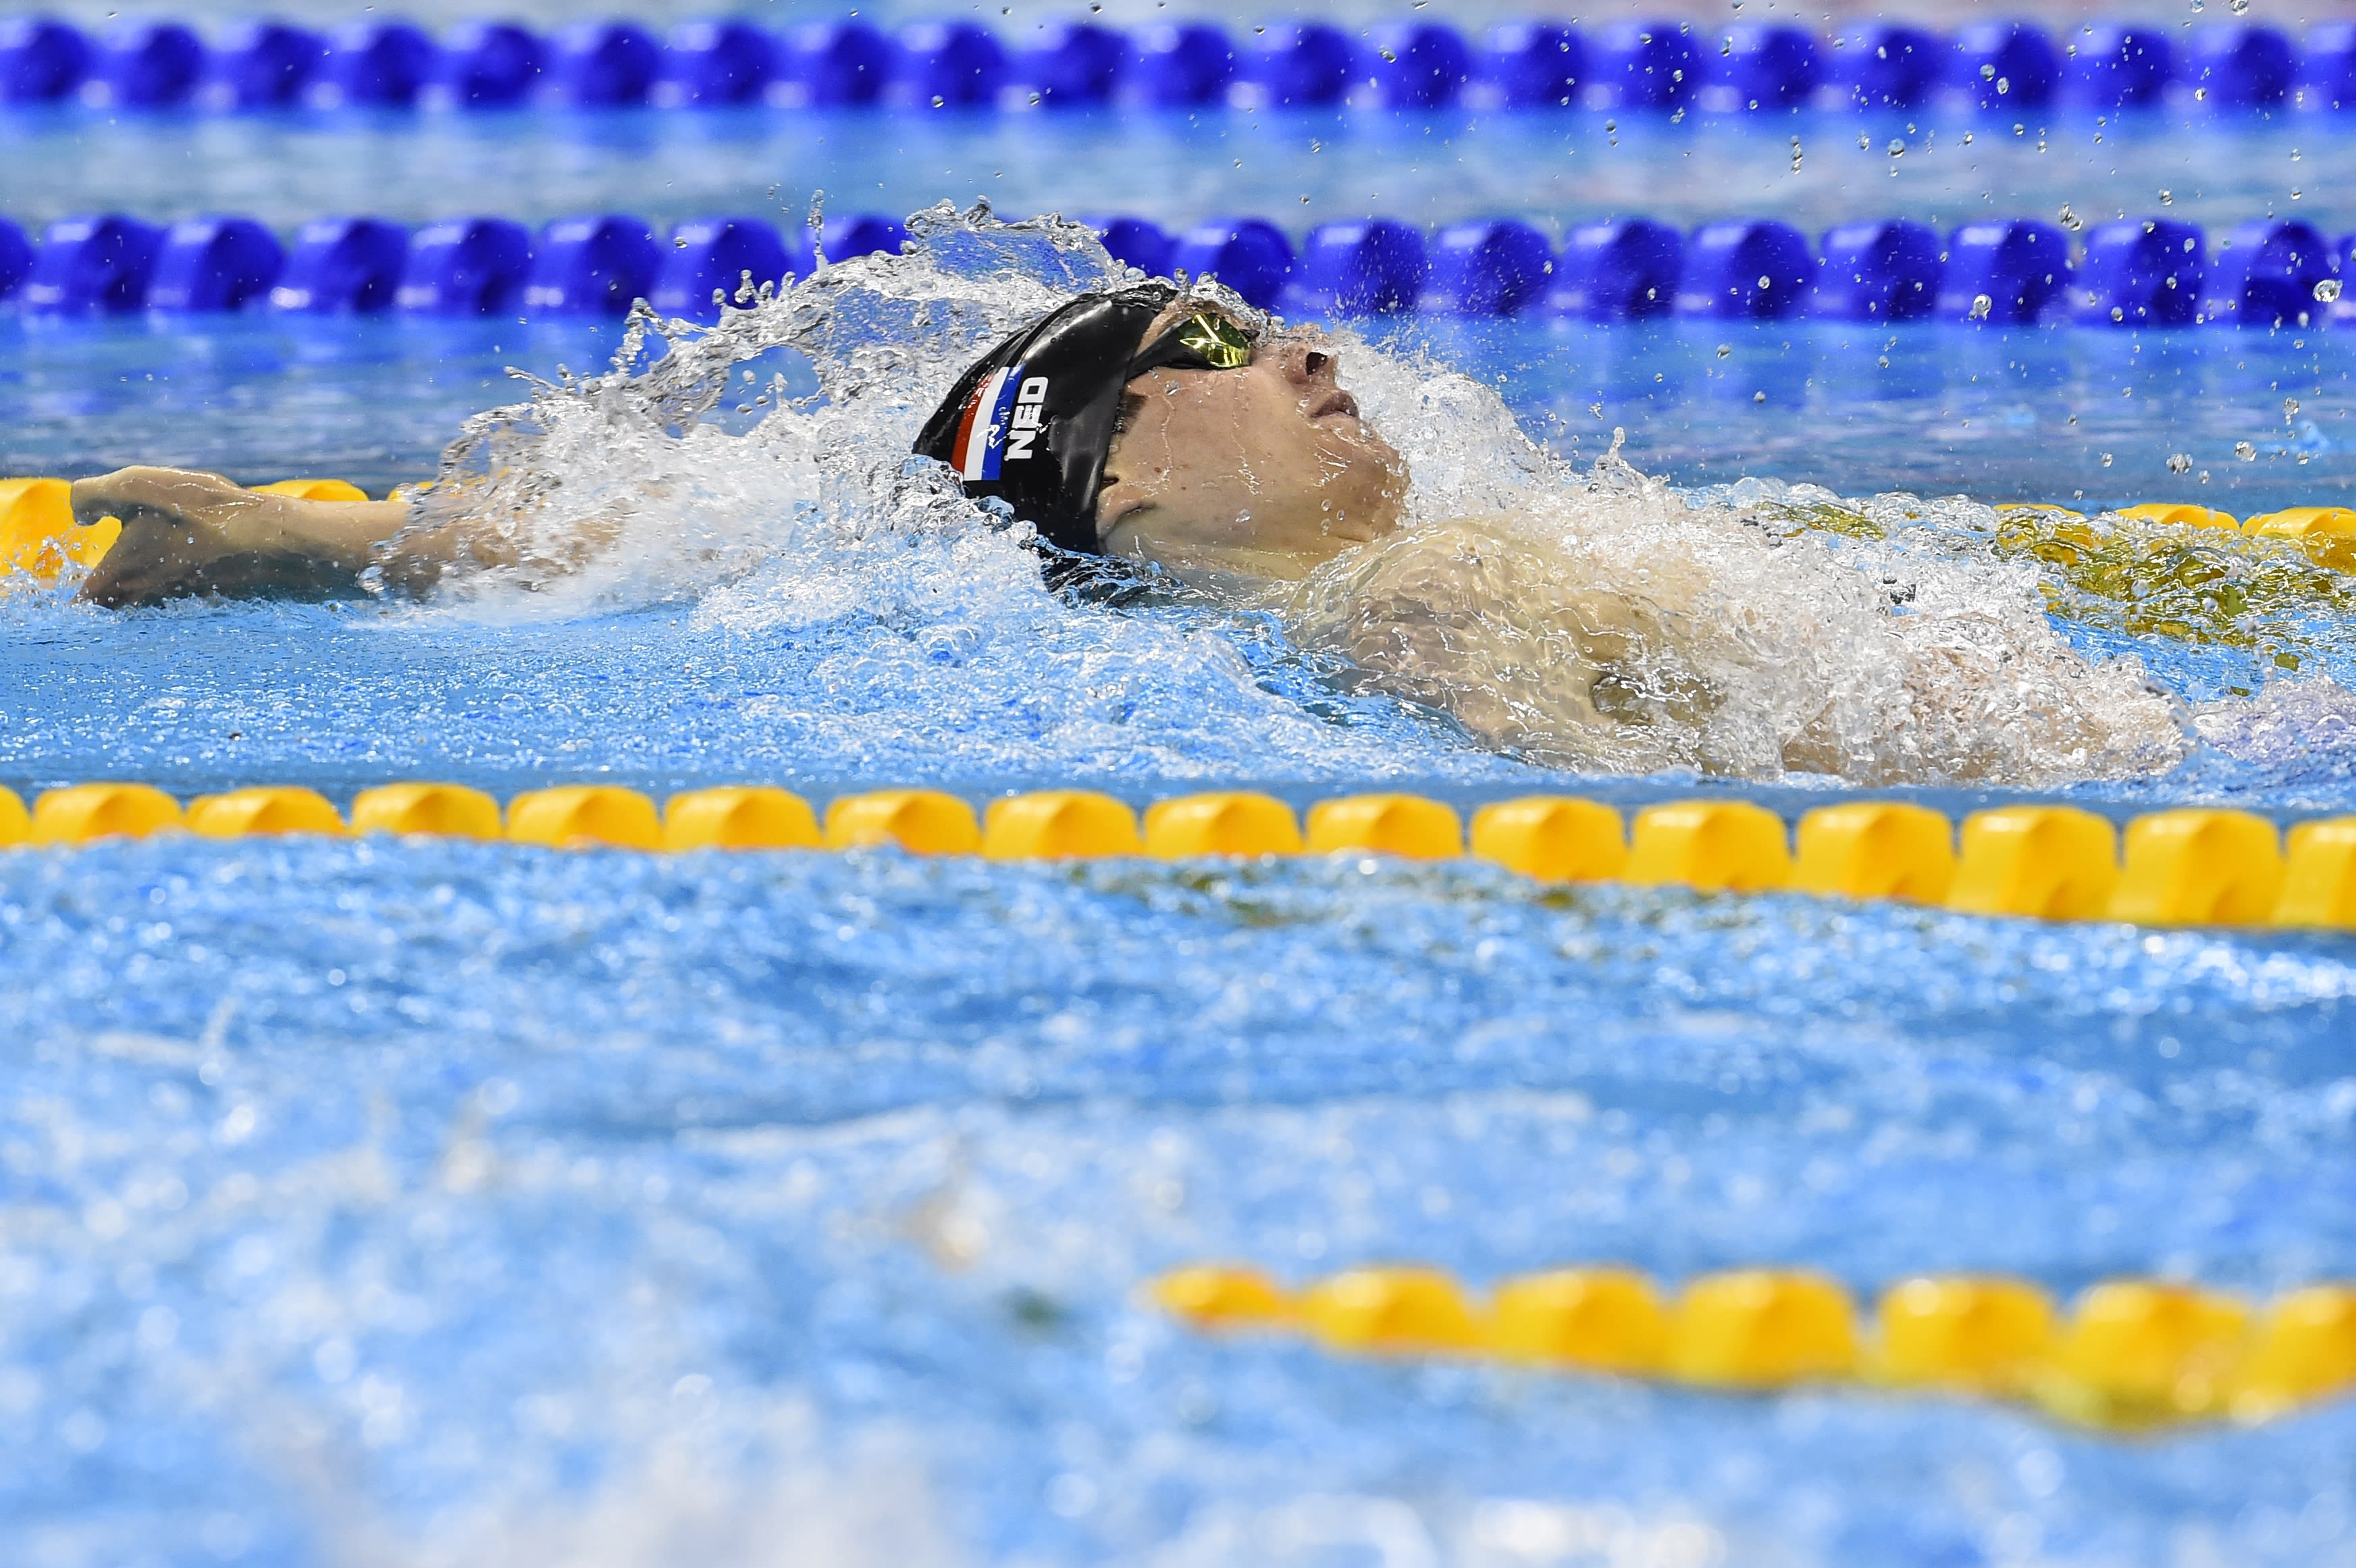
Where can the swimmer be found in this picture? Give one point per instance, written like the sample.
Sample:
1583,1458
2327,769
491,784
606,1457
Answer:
1165,427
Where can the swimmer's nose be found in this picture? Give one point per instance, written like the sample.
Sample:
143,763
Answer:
1307,366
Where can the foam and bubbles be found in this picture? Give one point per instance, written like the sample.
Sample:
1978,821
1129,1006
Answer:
1598,621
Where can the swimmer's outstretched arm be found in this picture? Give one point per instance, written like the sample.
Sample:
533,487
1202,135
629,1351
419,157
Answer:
189,533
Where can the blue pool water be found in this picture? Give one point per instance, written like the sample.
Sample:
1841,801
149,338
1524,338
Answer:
424,1203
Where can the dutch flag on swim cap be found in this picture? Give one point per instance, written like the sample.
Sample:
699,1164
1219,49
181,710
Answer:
1073,361
980,450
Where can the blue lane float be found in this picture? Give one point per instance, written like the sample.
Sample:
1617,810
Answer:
466,266
377,65
1304,65
215,263
1365,268
1249,255
2008,64
593,266
1419,65
712,260
1762,67
2004,273
1644,65
2328,66
951,65
1493,267
150,65
1758,269
2133,274
1667,64
1890,67
265,66
604,65
1138,242
1619,269
42,60
1880,271
721,64
1188,66
1074,65
1535,65
840,65
2265,274
2146,274
2242,68
2121,66
342,266
493,64
100,264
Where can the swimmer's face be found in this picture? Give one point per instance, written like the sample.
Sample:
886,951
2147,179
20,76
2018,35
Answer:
1269,456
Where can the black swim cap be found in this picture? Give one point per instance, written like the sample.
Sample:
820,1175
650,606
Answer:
1033,422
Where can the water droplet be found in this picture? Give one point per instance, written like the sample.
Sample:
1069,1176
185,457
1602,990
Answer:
1724,350
2245,452
2327,290
1981,305
2179,462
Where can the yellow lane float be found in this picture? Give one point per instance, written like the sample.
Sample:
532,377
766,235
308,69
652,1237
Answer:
1987,1336
437,810
313,490
2199,868
2319,877
1216,1297
1606,1319
921,822
2131,1353
1060,824
740,817
82,813
1729,846
2190,867
1553,838
38,531
263,811
585,816
1234,823
2183,515
2052,862
1391,1311
1406,825
1877,849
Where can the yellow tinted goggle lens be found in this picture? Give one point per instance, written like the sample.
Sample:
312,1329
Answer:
1219,341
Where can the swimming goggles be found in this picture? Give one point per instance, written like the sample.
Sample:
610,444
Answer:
1204,340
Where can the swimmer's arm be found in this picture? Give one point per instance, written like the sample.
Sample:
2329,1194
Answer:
185,533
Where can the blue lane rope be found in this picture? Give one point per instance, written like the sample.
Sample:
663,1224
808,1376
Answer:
2132,273
1668,65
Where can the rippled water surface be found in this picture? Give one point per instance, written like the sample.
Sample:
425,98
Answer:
424,1203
